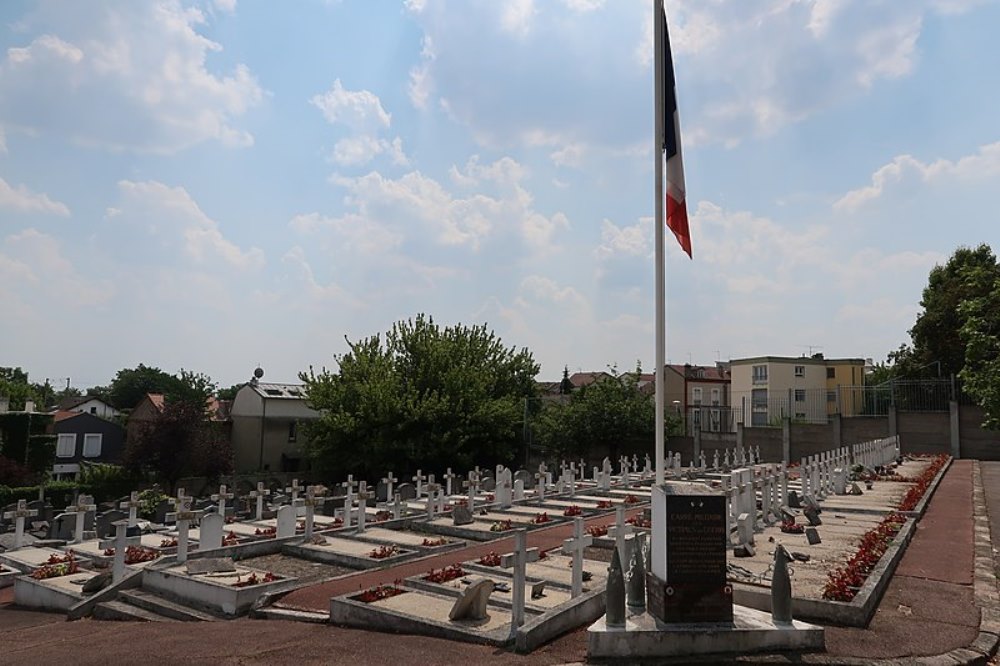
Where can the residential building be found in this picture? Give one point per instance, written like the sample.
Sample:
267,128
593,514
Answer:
88,404
147,411
808,388
82,437
266,426
701,393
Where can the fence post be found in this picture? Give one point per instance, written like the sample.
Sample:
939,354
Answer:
893,425
786,440
956,440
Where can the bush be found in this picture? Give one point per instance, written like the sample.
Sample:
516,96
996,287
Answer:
106,482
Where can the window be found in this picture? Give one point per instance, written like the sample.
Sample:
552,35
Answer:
831,396
696,395
800,371
831,373
759,397
800,395
293,432
93,410
759,374
92,445
715,397
66,445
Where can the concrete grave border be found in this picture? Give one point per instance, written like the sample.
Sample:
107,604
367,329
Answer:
317,554
347,612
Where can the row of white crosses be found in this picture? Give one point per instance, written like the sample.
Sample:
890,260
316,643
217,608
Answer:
876,453
817,472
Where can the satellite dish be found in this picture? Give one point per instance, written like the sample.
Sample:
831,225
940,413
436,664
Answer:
258,373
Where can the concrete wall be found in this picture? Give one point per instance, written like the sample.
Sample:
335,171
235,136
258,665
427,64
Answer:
863,429
977,442
768,439
924,432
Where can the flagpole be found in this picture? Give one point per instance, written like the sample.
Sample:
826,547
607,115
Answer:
661,303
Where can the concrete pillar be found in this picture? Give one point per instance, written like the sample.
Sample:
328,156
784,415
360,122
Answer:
786,439
956,440
893,425
739,435
838,440
697,444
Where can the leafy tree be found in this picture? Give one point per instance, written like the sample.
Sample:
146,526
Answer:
130,385
422,395
193,387
601,416
179,443
981,335
15,386
937,345
230,393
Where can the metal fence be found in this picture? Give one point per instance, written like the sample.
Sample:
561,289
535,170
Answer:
763,408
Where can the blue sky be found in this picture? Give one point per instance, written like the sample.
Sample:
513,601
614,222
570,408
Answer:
220,184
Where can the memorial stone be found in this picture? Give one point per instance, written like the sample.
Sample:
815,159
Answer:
687,583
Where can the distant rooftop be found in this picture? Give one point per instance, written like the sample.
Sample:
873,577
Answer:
280,391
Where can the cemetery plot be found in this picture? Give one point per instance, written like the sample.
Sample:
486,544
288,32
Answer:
304,571
215,584
136,555
55,593
28,559
350,552
407,539
420,612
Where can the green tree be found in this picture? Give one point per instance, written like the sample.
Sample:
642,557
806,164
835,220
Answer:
192,387
609,416
937,346
14,385
130,385
230,393
422,395
178,443
981,335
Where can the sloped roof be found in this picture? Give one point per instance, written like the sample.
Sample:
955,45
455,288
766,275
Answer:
270,391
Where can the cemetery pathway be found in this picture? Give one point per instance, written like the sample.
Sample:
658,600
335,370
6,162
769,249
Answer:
929,607
316,598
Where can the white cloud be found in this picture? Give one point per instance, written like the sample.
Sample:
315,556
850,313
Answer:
632,241
982,165
34,261
128,76
22,199
228,6
421,84
171,214
542,291
360,110
516,16
362,149
584,5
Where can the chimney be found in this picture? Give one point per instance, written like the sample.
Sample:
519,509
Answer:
29,405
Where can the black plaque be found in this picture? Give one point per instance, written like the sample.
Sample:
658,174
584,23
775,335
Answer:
695,589
696,539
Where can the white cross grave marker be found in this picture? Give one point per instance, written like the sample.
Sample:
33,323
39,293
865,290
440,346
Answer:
575,546
259,495
448,478
419,479
132,504
19,514
389,480
619,530
182,516
221,498
518,560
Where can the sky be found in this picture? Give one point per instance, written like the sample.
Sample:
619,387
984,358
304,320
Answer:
220,184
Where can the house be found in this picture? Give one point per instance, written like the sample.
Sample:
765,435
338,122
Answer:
151,407
266,420
702,394
82,437
89,404
146,411
805,388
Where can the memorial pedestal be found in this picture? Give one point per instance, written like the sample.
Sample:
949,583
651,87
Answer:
643,636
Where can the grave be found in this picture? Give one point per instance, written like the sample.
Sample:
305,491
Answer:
689,608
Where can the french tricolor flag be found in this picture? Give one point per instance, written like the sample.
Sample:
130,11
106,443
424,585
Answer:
677,219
